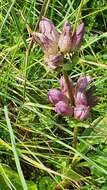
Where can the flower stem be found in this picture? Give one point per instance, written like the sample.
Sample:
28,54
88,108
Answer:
75,137
70,88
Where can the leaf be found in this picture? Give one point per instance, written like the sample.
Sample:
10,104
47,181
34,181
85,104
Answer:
10,177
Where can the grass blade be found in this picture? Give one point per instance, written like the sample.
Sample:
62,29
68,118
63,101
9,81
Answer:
14,150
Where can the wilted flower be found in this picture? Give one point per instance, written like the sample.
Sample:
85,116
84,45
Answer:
91,99
48,40
49,47
83,98
65,38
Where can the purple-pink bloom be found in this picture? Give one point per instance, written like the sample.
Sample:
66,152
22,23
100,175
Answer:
64,109
47,28
64,42
80,99
77,37
82,83
55,95
81,112
83,98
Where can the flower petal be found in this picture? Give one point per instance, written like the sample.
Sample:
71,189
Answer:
64,109
55,95
77,37
80,99
47,28
81,112
48,46
65,38
82,83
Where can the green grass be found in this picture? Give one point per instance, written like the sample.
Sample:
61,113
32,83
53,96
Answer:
36,145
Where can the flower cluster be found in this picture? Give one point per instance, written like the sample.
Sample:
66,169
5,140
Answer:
82,96
54,44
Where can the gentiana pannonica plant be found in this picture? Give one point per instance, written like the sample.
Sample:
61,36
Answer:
69,100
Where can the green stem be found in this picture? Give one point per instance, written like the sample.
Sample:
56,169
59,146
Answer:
75,137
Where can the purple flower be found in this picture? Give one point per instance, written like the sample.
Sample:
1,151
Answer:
77,37
48,40
83,98
80,99
65,38
55,95
81,112
82,83
47,28
64,109
51,41
48,46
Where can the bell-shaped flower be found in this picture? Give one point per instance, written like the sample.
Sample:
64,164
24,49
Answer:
47,28
77,37
48,46
64,42
64,109
81,112
83,98
55,95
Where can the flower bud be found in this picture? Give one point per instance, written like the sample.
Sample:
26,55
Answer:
47,28
82,83
49,47
55,95
65,38
81,112
77,36
54,61
80,99
64,109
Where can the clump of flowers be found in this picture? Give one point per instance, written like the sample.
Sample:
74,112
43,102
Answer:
70,100
55,44
82,98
